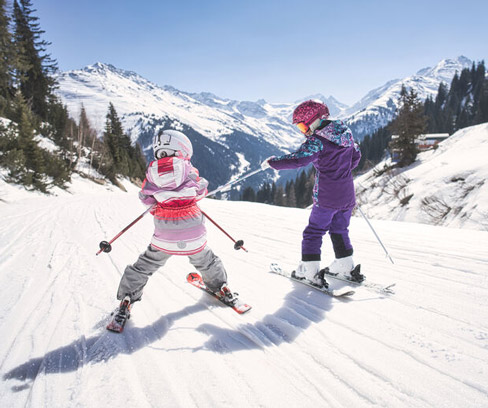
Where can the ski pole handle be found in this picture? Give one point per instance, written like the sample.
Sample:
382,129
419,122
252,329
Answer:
237,244
107,247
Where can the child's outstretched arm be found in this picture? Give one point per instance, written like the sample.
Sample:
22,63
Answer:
306,153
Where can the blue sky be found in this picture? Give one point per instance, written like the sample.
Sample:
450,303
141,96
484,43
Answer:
277,50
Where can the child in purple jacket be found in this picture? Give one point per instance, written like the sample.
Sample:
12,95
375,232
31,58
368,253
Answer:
330,147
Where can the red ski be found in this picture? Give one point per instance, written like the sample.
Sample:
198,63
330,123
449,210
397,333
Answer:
236,304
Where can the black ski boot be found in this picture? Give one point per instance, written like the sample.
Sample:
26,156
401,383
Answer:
120,316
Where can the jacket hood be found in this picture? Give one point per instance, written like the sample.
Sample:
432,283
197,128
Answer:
337,132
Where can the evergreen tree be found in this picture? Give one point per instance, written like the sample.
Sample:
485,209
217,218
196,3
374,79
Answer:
264,194
373,147
121,158
248,194
465,104
291,199
6,57
481,115
114,163
301,189
279,196
309,185
434,110
138,162
21,154
408,125
34,68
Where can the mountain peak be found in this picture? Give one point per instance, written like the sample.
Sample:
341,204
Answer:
446,68
104,68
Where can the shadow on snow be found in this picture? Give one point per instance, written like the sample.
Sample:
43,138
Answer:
301,307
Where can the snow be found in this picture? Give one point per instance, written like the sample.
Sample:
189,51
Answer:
137,100
378,107
424,346
452,178
46,143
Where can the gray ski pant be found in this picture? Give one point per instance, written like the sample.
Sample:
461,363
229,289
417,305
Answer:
136,276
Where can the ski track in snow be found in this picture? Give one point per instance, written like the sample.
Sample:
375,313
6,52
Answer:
424,346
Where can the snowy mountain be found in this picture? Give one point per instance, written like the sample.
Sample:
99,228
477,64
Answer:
378,107
336,108
230,137
424,346
446,186
140,102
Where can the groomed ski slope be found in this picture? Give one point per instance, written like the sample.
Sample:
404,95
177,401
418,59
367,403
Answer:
425,346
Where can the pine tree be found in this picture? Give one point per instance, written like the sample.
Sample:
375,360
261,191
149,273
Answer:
465,104
248,194
291,199
309,185
24,158
301,190
408,125
6,57
264,194
121,157
111,139
34,68
481,115
279,196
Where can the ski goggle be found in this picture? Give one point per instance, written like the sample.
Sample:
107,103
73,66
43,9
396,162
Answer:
304,128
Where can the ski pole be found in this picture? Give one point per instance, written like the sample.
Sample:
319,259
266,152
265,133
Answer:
237,244
230,183
376,235
107,247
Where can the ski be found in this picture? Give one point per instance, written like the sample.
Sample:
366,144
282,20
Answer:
376,287
237,305
337,292
120,316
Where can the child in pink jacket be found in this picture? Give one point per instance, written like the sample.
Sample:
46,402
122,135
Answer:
173,188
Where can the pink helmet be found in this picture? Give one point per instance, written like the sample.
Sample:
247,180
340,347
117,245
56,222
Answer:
309,111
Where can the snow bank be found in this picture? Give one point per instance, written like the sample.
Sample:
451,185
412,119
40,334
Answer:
446,186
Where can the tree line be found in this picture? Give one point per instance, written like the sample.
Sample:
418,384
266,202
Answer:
34,115
461,104
295,193
464,103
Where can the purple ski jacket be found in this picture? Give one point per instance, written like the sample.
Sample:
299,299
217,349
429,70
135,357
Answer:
334,154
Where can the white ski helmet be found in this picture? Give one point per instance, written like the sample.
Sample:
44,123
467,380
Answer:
171,143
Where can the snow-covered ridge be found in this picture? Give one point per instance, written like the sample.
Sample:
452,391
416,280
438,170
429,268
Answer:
254,130
445,186
378,107
137,99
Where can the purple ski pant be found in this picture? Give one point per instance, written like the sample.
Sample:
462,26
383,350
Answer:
336,222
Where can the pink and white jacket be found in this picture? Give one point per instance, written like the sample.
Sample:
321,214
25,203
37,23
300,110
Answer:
175,187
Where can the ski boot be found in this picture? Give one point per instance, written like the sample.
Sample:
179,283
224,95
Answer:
226,295
120,316
310,271
344,268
